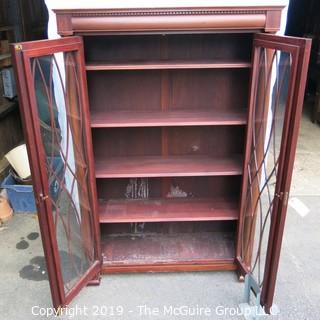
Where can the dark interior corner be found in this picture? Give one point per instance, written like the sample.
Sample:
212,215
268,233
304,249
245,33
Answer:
19,21
304,21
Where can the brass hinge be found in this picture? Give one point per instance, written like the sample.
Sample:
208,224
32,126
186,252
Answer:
43,197
284,196
18,47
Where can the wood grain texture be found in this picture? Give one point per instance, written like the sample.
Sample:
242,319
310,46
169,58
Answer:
161,248
112,20
193,89
171,166
212,47
157,210
212,265
203,187
170,64
122,119
132,75
23,54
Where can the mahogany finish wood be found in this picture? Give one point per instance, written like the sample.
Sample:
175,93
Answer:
57,294
167,48
159,210
302,48
168,95
95,21
150,65
167,244
184,89
125,119
161,249
24,53
213,265
204,187
171,166
169,141
149,89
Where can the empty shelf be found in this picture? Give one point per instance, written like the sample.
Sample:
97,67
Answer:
161,210
116,119
162,248
166,64
170,166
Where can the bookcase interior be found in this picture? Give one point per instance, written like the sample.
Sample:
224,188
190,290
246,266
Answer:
159,244
168,118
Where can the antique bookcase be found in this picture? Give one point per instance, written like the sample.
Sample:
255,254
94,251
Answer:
162,140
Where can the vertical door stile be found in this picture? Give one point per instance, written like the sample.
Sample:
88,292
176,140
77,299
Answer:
54,106
276,98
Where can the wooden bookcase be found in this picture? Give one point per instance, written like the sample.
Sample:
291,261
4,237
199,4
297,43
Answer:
168,117
155,127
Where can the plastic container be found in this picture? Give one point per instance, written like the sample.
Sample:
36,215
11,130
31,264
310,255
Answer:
18,158
21,197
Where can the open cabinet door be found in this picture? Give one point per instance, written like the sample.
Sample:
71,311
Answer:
278,79
53,98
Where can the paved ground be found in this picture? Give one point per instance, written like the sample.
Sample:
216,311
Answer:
24,285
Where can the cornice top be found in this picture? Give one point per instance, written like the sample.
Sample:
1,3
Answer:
80,21
167,11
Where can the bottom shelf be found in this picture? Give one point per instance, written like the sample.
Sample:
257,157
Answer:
168,251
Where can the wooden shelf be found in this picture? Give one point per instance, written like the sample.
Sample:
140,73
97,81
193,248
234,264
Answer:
151,249
6,106
5,56
169,64
6,28
121,119
163,210
170,166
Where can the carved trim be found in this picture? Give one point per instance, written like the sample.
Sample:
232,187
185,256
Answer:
164,13
168,11
115,20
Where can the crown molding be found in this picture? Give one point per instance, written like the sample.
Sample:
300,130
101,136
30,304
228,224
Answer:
81,21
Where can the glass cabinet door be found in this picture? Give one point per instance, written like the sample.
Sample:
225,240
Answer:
53,96
278,79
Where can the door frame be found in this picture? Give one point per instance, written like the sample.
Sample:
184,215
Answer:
22,53
300,51
277,226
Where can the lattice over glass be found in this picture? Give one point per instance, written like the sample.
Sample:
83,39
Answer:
268,118
57,87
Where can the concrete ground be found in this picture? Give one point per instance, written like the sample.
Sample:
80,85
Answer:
24,284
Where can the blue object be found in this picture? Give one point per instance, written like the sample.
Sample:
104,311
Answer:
21,197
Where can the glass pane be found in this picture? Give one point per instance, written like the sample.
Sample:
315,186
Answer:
274,73
57,90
